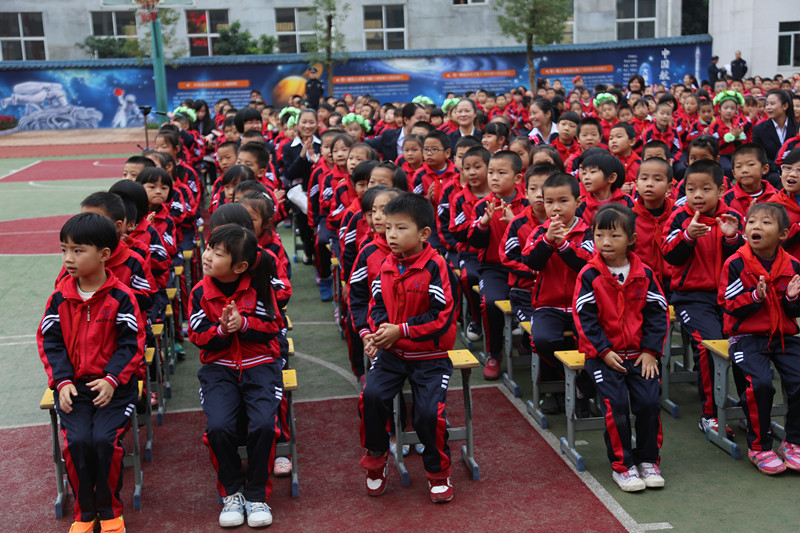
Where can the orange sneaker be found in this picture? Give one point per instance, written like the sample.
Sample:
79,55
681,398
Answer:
83,527
115,525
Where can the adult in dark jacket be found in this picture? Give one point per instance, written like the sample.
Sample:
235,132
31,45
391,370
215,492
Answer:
314,88
738,66
780,126
390,143
714,72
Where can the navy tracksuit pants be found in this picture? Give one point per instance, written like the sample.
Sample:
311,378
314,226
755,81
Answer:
225,397
701,318
494,287
547,336
752,354
429,379
92,453
468,263
613,391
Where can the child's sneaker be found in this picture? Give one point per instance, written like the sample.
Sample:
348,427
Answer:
115,525
83,527
377,469
258,514
326,289
651,475
474,332
393,447
767,461
179,351
282,467
629,481
419,448
232,514
492,369
549,404
712,424
441,490
790,453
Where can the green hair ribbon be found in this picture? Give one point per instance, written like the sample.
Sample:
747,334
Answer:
422,99
186,112
604,97
450,102
294,112
361,121
728,95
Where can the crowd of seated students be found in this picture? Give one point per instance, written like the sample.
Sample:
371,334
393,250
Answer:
590,211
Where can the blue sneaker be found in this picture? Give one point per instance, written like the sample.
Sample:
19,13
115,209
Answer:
326,289
179,351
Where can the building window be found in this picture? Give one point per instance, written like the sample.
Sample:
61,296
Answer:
114,24
202,29
384,27
636,19
22,37
295,29
468,2
568,35
789,44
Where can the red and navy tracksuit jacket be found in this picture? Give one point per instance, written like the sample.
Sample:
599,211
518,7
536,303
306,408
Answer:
366,269
165,226
566,151
631,164
629,318
790,203
669,136
787,147
343,196
102,337
254,344
315,184
606,125
718,129
759,330
462,215
352,238
514,240
557,268
650,232
160,261
590,205
488,239
741,201
449,193
421,300
426,176
80,341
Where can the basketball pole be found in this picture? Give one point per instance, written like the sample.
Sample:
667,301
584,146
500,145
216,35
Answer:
159,71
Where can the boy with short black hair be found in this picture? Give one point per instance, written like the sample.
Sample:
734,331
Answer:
590,135
91,341
565,143
621,138
410,339
436,173
256,157
134,166
698,238
602,176
750,166
760,292
656,149
660,130
653,207
246,119
492,215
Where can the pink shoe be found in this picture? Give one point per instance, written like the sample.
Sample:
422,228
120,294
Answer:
767,461
492,369
282,467
790,453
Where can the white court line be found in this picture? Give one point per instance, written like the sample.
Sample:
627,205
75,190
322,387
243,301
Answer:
16,343
591,483
30,232
29,255
20,169
68,188
97,163
3,337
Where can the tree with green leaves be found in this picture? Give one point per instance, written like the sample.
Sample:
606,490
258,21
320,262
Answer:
327,45
114,47
532,22
233,41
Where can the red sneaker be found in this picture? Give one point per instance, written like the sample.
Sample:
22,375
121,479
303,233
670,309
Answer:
492,369
377,470
441,490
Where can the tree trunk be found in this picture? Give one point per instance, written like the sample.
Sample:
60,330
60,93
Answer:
529,59
329,51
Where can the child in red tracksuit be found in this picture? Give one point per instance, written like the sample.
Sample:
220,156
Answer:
653,207
787,197
435,175
750,165
760,292
557,252
602,176
158,186
620,143
698,238
91,341
235,322
660,130
492,216
367,267
622,325
412,317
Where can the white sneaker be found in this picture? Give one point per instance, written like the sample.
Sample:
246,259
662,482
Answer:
419,448
629,481
651,475
258,514
232,514
474,332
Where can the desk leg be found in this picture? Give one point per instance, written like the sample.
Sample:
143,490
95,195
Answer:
58,462
293,445
399,441
568,444
720,399
533,404
666,370
508,376
137,464
468,450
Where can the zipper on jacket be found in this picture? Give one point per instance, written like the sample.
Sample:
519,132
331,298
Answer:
88,313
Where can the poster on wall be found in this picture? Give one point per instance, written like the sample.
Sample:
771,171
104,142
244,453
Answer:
109,97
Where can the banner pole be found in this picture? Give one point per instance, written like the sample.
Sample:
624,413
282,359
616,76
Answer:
159,71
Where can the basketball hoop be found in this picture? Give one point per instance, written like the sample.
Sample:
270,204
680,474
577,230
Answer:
148,10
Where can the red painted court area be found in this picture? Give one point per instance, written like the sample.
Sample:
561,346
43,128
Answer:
536,491
68,169
56,150
31,235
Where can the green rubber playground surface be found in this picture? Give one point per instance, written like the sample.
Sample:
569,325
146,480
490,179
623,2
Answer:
705,488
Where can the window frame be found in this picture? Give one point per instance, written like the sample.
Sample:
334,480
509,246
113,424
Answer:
636,20
794,44
115,25
296,33
384,30
470,3
209,35
21,39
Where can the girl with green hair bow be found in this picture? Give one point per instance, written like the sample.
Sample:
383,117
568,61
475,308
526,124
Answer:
730,127
293,114
422,99
450,103
356,126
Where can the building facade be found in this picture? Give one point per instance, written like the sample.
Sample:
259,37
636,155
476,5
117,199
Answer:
50,29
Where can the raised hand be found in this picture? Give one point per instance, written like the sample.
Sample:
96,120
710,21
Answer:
793,288
761,288
695,229
728,224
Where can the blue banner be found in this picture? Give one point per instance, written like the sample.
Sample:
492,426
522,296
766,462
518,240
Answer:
43,95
